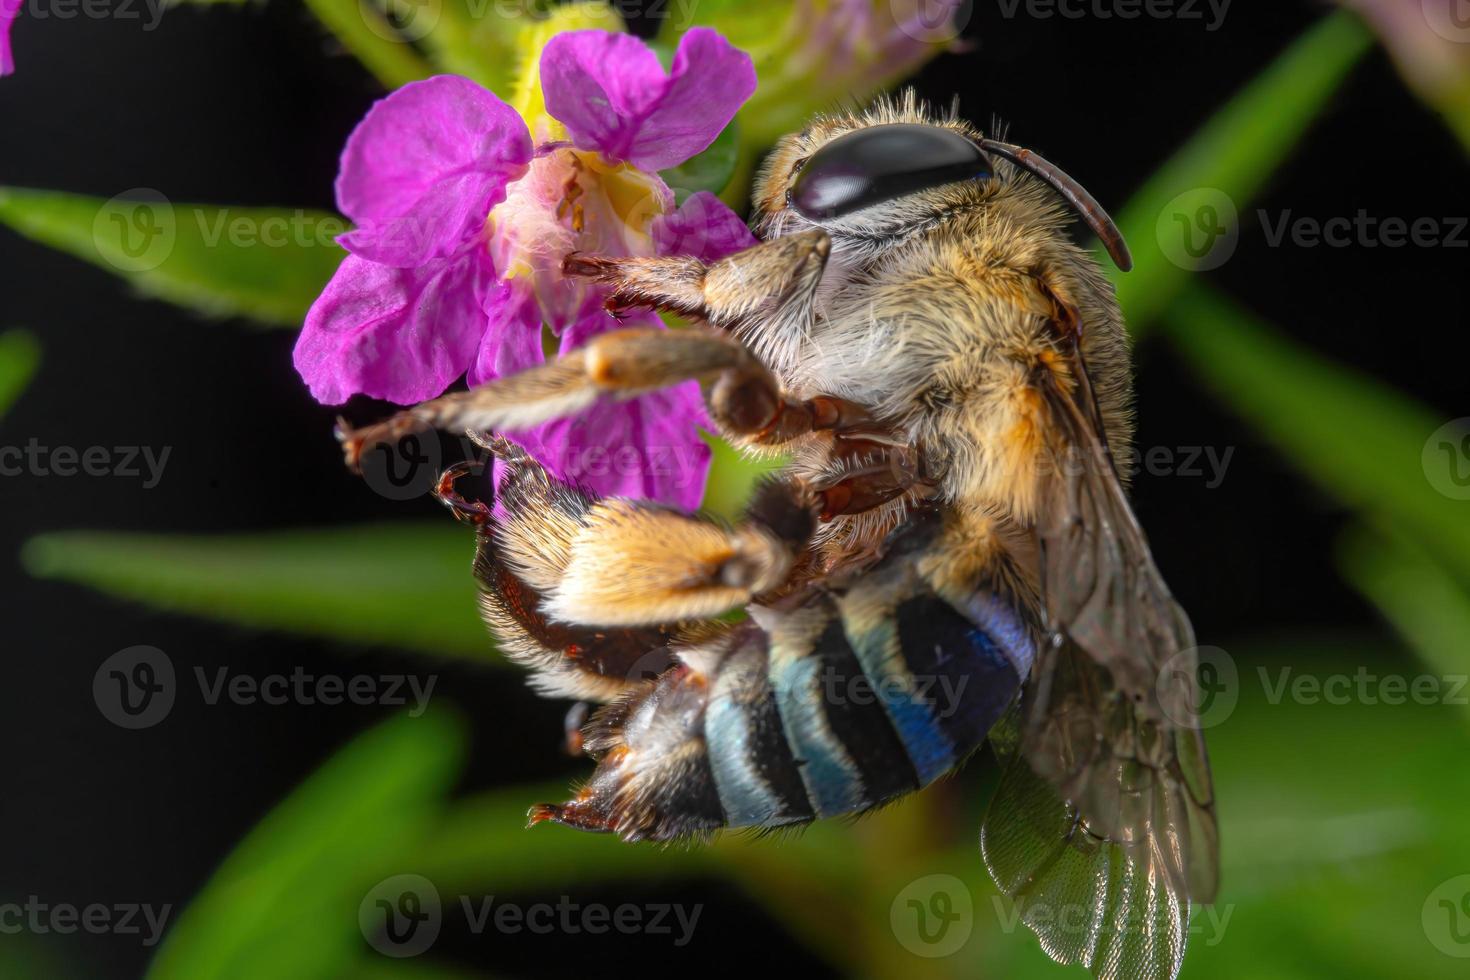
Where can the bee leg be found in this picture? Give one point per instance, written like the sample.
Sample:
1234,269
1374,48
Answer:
745,399
472,512
575,719
634,564
877,477
777,278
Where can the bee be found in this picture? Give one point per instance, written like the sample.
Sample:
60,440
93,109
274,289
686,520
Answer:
948,556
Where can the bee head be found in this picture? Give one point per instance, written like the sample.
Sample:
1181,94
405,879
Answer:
896,168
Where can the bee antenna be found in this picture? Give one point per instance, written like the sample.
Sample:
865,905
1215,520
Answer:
1092,212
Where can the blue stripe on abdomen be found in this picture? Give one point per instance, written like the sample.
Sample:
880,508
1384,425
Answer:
754,771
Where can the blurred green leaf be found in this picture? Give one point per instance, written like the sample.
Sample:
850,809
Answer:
808,881
1415,593
479,39
19,357
285,902
1359,440
709,170
1235,153
265,263
732,478
407,585
367,34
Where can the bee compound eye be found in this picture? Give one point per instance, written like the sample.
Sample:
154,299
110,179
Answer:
880,163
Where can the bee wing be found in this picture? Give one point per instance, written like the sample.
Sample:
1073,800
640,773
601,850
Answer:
1108,906
1104,827
1110,717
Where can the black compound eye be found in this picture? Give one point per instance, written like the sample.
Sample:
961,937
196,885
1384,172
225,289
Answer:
880,163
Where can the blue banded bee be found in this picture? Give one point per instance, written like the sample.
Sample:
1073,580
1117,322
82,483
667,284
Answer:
948,375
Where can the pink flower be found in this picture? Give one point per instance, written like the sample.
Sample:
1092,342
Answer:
9,10
463,216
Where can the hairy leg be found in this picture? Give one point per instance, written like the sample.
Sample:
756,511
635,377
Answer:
777,279
744,398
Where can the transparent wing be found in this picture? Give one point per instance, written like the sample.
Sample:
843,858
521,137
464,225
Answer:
1104,825
1092,902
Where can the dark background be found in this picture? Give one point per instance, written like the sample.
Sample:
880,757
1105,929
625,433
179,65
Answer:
243,106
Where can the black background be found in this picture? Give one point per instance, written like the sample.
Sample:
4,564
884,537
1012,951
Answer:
251,106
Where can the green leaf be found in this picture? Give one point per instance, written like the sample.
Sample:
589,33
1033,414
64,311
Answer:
19,356
383,49
709,170
285,903
479,38
732,478
1225,164
1415,593
1361,441
408,585
265,263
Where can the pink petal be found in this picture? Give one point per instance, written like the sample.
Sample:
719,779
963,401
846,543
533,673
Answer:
399,334
613,96
645,448
512,340
9,10
648,447
702,227
425,166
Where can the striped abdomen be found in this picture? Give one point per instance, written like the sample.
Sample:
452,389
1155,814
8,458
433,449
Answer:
852,697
